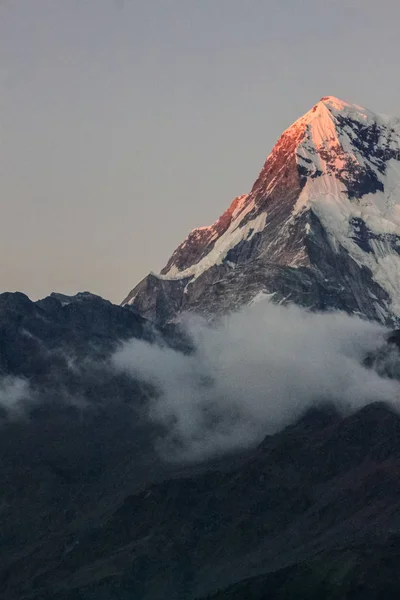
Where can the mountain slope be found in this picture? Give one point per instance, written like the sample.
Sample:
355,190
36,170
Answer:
318,500
90,511
320,227
75,440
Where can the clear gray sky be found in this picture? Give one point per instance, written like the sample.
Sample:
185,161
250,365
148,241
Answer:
126,123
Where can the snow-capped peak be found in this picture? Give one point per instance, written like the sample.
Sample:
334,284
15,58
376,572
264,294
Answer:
336,103
336,168
335,138
336,106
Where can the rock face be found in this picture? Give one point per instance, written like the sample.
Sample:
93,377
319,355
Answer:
320,227
38,340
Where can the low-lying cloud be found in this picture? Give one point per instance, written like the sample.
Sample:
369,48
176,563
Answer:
253,373
14,394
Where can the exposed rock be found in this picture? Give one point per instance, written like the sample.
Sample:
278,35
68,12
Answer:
320,227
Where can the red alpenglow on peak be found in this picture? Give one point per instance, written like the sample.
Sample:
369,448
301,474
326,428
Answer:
336,105
199,241
335,170
329,109
335,102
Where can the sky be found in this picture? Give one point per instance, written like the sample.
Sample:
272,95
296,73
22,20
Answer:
124,124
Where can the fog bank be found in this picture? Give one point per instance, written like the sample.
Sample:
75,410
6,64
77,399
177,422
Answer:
253,373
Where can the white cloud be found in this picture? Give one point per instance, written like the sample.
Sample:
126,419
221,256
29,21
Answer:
253,373
14,391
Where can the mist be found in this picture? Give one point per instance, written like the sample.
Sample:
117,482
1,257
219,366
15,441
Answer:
14,395
253,373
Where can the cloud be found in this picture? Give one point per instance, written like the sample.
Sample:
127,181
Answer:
14,393
253,373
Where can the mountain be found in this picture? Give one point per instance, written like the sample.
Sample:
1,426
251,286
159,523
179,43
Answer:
74,438
67,418
313,512
90,507
42,341
89,510
320,227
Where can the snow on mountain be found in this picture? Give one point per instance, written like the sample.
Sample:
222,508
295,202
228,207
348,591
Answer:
326,203
357,154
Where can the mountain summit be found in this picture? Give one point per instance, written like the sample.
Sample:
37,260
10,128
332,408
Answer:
320,227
